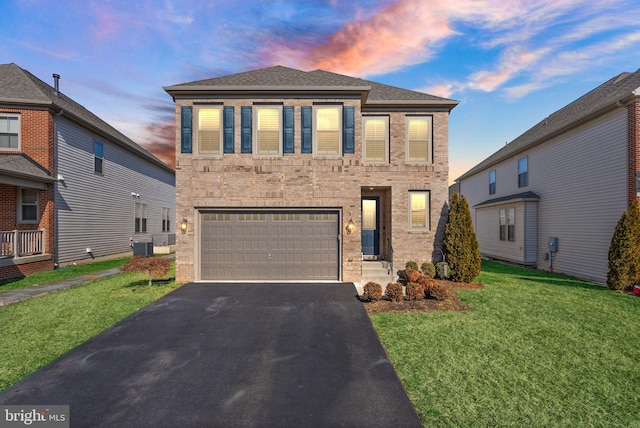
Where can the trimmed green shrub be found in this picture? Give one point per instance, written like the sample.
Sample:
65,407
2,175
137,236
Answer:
460,245
372,291
415,291
411,265
394,291
157,267
428,269
436,290
624,251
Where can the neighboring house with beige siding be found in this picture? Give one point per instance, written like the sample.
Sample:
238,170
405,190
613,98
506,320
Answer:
72,188
570,177
283,174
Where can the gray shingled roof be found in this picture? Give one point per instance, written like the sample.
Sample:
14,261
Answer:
19,87
19,165
530,196
623,87
281,79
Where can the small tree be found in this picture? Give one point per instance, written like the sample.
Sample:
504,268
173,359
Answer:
460,246
624,251
153,266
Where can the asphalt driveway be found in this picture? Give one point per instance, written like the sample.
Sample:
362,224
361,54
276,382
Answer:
230,355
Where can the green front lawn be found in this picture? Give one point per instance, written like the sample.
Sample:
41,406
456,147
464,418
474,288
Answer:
59,274
37,331
536,349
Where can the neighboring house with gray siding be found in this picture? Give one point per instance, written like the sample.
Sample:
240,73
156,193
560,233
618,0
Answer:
570,177
283,174
72,187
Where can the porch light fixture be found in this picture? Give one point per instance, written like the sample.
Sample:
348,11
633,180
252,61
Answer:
350,225
183,226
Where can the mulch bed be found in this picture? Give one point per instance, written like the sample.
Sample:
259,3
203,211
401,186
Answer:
453,303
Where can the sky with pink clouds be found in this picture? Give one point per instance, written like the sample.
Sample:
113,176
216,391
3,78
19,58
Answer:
509,63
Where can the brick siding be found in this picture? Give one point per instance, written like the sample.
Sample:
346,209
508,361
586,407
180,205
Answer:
37,142
304,180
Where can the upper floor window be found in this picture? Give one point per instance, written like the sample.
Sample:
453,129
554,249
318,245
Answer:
419,210
376,138
268,130
98,158
328,127
523,172
418,139
492,182
209,131
9,131
28,205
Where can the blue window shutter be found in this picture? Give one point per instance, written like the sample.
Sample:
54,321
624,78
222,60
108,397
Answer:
288,126
228,128
245,125
307,132
348,125
185,128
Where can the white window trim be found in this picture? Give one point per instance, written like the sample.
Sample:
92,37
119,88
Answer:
143,218
427,227
315,130
386,138
492,172
98,157
9,149
19,208
429,142
166,223
196,130
526,159
254,131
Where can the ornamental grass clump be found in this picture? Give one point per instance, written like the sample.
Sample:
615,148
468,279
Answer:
154,266
372,292
394,291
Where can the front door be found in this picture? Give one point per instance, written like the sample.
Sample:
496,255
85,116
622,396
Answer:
370,226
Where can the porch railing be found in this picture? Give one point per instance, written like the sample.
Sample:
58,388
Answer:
20,243
390,251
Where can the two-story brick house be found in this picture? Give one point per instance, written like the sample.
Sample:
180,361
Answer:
72,187
283,174
569,178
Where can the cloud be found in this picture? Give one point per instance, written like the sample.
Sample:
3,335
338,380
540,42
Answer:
161,141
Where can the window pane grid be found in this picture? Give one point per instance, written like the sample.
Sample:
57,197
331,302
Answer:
418,204
375,139
418,139
209,131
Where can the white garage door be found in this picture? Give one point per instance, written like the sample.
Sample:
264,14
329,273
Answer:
269,245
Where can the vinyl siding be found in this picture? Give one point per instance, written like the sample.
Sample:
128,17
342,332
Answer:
97,211
530,230
581,179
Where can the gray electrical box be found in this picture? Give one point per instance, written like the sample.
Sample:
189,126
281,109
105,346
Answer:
553,244
142,249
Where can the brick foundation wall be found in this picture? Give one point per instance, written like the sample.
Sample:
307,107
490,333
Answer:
19,271
304,180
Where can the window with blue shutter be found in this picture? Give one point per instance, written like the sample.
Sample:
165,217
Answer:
245,129
228,129
186,129
348,125
307,131
288,128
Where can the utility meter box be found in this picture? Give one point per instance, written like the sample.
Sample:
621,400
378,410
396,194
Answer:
553,244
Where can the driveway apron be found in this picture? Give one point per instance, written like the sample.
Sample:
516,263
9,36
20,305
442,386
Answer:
230,355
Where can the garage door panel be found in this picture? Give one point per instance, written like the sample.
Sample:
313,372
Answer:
269,246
